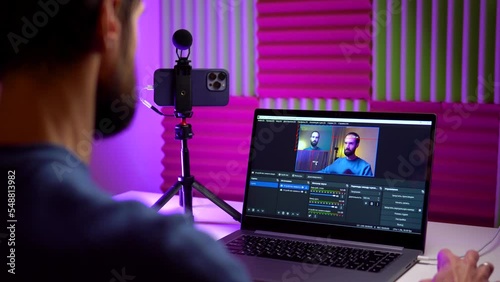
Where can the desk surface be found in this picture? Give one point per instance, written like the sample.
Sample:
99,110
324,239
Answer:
458,238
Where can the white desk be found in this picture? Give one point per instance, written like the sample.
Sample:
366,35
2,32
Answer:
458,238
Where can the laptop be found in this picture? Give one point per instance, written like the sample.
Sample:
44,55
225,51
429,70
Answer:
360,216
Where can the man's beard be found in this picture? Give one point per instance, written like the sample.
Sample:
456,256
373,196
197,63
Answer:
115,101
314,143
348,152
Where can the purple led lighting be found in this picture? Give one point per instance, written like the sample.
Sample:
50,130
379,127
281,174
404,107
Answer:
434,48
449,51
497,57
132,160
404,28
388,52
465,52
418,52
482,47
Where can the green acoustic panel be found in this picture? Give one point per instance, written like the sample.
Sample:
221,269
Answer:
435,50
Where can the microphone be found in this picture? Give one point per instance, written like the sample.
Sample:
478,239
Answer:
182,39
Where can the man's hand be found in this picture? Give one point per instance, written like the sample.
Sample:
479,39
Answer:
454,269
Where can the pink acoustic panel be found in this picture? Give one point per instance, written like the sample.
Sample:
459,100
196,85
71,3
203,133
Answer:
314,49
463,186
218,150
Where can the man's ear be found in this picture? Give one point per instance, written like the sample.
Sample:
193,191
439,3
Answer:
109,26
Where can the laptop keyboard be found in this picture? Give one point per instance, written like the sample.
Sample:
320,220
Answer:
313,253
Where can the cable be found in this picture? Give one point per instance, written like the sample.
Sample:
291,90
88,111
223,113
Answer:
433,261
491,241
426,260
147,104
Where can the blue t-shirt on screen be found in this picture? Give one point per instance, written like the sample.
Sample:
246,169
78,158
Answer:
357,166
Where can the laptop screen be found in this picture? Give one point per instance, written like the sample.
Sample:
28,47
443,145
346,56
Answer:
348,169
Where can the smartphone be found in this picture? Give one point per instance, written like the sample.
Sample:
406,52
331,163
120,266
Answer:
209,87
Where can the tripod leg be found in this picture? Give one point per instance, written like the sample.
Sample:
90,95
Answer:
187,197
181,198
167,196
220,203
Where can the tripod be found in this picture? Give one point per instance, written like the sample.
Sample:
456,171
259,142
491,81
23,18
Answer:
183,131
186,181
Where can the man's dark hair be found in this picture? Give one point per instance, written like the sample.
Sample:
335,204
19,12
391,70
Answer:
355,136
51,31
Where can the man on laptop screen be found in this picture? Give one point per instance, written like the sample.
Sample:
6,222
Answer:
350,164
311,216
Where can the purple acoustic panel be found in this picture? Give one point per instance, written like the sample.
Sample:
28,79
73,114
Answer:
218,150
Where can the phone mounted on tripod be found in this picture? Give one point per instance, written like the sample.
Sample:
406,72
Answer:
184,87
183,105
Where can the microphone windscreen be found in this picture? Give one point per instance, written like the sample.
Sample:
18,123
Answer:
182,39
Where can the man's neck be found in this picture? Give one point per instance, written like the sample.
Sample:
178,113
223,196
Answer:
51,106
352,157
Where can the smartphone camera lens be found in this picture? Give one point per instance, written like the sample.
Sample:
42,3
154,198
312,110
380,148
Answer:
217,80
222,76
212,76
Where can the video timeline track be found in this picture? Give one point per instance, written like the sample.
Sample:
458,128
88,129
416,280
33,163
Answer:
306,198
299,196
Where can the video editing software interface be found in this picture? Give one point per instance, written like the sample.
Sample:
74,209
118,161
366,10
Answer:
366,173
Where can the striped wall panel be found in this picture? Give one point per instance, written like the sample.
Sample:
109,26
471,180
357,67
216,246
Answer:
314,104
223,37
465,168
218,150
314,49
446,52
319,54
438,51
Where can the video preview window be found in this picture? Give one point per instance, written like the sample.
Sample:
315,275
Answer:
344,150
